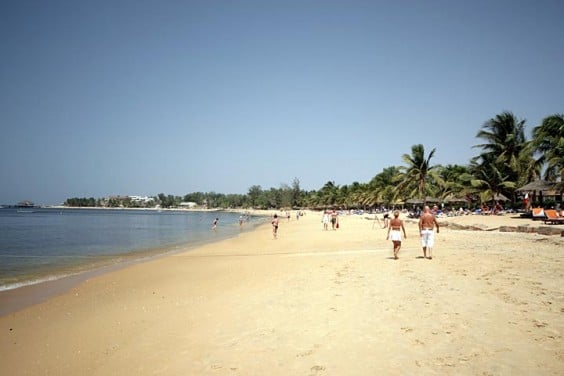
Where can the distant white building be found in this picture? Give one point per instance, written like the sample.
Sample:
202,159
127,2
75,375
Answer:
189,205
141,199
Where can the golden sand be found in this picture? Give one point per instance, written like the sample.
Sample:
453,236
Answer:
312,302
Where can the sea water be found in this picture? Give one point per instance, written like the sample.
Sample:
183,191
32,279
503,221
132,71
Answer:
45,244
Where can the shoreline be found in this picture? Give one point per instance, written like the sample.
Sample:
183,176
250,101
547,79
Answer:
311,302
26,293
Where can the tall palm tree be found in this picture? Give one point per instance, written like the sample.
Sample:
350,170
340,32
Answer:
328,194
450,182
505,142
507,149
548,139
487,179
380,189
417,172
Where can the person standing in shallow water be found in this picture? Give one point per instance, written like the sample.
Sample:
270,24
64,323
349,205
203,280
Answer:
427,223
394,228
275,227
214,224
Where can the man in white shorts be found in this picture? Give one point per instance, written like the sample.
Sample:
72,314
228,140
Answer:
427,223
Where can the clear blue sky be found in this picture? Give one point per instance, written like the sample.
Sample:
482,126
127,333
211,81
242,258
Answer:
102,98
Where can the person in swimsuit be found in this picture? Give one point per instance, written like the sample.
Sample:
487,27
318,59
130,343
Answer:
334,220
275,226
394,232
214,224
427,223
325,220
386,219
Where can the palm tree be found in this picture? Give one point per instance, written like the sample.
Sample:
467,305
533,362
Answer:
328,194
507,149
381,189
548,139
487,180
505,142
414,176
450,182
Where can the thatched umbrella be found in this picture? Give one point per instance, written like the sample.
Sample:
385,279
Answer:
453,199
500,197
415,201
420,201
536,186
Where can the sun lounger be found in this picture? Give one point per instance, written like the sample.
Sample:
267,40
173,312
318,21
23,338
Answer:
553,217
538,213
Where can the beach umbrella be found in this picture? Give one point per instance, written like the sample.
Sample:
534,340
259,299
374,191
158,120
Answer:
419,201
537,186
453,199
414,201
500,197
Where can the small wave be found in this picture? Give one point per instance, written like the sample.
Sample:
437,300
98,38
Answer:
30,282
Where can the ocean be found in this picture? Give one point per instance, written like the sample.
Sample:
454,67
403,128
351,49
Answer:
38,245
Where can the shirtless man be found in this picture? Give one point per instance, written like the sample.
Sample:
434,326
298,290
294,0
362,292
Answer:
427,222
395,225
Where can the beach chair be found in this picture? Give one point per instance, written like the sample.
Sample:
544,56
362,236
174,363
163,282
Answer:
538,213
553,217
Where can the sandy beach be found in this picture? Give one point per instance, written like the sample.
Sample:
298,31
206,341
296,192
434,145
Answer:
312,302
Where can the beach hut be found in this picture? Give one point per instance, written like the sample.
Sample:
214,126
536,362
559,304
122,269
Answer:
539,189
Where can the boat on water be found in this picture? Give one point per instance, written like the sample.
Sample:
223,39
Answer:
25,207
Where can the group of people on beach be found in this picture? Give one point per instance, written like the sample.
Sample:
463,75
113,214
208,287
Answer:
427,224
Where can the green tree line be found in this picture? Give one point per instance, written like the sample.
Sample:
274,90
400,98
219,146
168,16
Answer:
506,160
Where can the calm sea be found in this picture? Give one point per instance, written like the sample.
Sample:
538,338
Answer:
45,244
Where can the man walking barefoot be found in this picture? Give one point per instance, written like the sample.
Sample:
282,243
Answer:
427,222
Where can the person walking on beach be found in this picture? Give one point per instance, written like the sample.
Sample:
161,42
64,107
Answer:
334,220
325,220
427,223
214,224
386,219
394,228
275,226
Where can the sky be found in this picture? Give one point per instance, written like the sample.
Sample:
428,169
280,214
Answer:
101,98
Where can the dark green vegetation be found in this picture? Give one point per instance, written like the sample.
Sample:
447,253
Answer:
506,160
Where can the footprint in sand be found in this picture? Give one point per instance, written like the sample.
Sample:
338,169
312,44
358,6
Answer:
317,370
539,324
305,353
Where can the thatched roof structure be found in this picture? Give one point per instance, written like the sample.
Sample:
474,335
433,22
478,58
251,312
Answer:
500,197
452,199
537,185
419,201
